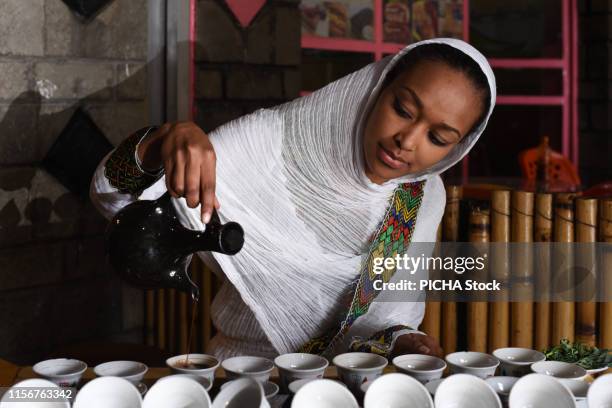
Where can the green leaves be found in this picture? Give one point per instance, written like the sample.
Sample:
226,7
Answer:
582,354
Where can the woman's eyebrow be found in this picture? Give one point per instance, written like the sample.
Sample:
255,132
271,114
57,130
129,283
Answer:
451,129
416,98
419,104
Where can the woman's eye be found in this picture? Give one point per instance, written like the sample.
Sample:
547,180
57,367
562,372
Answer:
435,139
400,109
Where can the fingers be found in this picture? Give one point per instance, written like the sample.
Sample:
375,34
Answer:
192,183
169,169
207,190
178,176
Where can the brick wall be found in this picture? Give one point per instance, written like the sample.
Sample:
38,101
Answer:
595,90
55,287
243,69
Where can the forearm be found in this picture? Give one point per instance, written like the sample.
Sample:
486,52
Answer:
120,178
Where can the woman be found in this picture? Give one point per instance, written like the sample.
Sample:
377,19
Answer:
322,186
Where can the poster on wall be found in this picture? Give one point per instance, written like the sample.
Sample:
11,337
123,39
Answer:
450,18
404,21
424,19
396,21
338,19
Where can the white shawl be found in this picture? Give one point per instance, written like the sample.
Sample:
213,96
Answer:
293,177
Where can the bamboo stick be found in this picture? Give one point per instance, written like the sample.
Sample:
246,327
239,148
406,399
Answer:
563,312
171,328
586,231
184,321
450,232
543,233
522,269
605,311
431,320
149,318
499,320
477,311
161,319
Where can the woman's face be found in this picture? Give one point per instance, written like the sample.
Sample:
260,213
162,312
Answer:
418,119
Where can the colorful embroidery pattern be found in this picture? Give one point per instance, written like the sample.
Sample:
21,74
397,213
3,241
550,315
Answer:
379,342
392,239
121,168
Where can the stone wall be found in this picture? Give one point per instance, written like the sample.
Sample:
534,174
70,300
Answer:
242,69
55,286
595,90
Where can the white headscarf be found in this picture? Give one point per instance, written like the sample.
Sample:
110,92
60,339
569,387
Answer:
293,177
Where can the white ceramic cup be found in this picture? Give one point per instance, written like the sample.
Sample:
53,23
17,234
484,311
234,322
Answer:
356,368
177,392
132,371
559,369
105,392
433,385
541,391
297,366
397,391
420,366
270,388
240,393
203,365
578,388
465,391
323,394
257,368
8,400
600,392
471,362
516,361
65,372
502,385
203,381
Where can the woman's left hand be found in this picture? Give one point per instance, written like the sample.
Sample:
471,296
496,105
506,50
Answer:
416,343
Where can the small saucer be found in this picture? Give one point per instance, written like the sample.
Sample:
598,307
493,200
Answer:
142,388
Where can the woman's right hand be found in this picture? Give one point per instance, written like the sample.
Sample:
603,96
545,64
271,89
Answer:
189,162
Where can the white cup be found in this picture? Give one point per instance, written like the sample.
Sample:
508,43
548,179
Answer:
559,369
105,392
240,393
270,389
502,386
203,381
132,371
465,391
203,365
516,361
420,366
433,385
257,368
176,392
600,392
397,391
296,366
578,388
65,372
36,384
542,391
323,394
471,362
356,368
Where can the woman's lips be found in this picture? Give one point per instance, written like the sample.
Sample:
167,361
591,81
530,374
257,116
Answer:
387,157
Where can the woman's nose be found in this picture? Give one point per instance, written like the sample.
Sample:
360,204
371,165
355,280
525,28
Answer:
408,139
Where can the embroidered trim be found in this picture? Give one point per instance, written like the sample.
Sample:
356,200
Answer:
378,343
123,170
392,238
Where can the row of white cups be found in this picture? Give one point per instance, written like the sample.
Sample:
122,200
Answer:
526,381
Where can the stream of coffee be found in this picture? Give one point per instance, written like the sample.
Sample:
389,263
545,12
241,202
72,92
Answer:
194,303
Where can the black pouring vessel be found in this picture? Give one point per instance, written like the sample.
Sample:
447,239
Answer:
149,247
